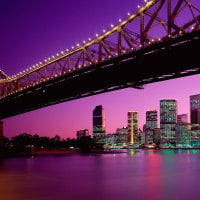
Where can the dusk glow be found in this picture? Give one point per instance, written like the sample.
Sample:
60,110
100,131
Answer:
33,31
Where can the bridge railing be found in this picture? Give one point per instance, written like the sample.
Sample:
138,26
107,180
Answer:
155,21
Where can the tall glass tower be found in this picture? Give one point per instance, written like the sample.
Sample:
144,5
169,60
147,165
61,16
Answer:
133,127
99,130
168,119
151,124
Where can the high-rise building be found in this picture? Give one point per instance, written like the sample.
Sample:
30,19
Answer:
122,134
82,133
133,127
151,124
195,109
182,130
1,133
99,130
156,136
168,119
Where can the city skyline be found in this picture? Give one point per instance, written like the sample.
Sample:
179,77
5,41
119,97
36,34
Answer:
29,35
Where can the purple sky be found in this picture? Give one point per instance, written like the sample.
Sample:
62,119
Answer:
32,30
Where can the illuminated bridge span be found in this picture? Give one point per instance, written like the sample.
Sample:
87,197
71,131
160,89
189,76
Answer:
159,42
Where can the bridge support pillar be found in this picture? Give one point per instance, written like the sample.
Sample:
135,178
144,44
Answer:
1,134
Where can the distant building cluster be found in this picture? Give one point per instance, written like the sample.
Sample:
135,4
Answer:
174,129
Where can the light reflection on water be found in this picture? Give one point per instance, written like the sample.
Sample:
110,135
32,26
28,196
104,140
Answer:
135,174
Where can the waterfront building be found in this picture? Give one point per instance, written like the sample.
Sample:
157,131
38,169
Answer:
151,124
141,134
133,127
156,136
195,109
183,130
168,119
122,134
111,140
99,129
82,133
195,135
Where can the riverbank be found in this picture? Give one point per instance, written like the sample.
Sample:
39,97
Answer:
39,153
58,152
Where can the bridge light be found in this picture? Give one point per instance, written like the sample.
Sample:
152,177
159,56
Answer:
97,35
112,25
138,6
192,27
44,61
40,63
120,20
84,41
57,54
104,30
62,52
140,45
77,45
72,47
128,14
159,39
145,1
53,56
67,50
49,58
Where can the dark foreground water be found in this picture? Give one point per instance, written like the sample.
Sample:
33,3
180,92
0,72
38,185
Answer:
134,175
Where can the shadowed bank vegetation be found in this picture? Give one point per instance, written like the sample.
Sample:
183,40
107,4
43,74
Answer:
25,143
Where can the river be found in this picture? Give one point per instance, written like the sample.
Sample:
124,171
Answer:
129,175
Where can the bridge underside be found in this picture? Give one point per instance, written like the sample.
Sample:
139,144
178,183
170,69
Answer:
177,57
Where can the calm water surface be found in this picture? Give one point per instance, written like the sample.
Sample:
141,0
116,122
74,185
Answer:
134,175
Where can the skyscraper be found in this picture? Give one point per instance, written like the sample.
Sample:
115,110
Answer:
99,131
168,119
133,127
182,129
151,124
195,109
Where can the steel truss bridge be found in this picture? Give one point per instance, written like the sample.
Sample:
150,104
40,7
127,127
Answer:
160,41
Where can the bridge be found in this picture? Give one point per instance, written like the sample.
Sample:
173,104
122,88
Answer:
159,42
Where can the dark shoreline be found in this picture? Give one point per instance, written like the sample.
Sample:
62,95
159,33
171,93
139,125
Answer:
70,152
